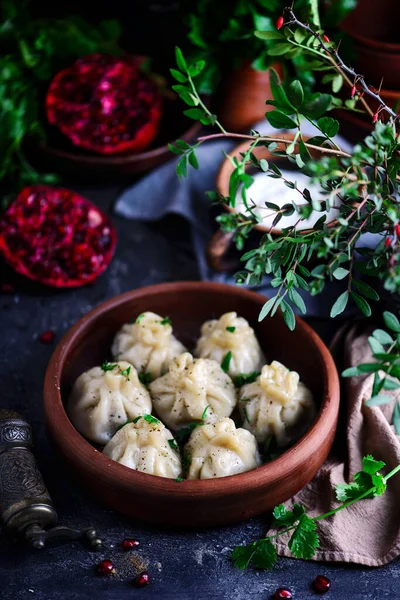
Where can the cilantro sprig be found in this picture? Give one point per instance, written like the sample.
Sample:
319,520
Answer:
245,378
304,540
226,361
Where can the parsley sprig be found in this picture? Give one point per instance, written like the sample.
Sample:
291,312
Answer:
304,540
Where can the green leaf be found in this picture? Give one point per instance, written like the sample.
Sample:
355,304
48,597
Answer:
284,517
382,336
180,61
340,273
288,315
362,304
242,556
328,126
318,106
378,400
351,372
144,378
296,93
372,466
173,444
174,149
151,420
194,113
266,309
203,416
107,366
178,76
193,160
337,83
389,384
396,418
166,321
196,68
265,555
365,289
279,49
279,120
391,321
347,491
297,300
278,92
304,540
226,361
375,346
339,305
231,329
269,35
245,378
181,167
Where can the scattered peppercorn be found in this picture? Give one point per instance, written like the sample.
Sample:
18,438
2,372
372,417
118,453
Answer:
321,584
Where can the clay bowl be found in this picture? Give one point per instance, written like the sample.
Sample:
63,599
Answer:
218,252
58,155
192,503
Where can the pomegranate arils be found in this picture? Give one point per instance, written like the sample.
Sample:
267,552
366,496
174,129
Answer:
142,579
128,544
387,243
283,592
321,584
47,337
105,104
105,567
279,22
57,237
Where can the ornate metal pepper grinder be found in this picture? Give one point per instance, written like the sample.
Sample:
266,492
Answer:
27,511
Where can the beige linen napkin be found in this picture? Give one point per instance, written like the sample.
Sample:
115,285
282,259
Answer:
367,532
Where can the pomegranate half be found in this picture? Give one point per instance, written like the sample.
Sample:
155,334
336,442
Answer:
56,236
105,104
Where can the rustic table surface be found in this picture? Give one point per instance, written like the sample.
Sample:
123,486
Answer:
183,565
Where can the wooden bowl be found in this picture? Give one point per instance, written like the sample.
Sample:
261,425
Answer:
58,155
192,503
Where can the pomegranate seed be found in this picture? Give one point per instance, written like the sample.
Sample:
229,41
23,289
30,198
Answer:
142,579
353,91
128,544
105,567
279,22
321,584
326,39
283,592
397,230
7,288
388,241
47,337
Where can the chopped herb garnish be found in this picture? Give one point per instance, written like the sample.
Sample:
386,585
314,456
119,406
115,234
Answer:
107,366
150,419
144,378
137,419
245,378
231,329
203,416
173,444
184,434
226,362
187,460
179,479
246,416
126,372
166,321
139,318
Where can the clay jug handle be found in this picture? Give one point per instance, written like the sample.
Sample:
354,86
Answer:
216,250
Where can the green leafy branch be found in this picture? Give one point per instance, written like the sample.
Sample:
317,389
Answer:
304,540
385,349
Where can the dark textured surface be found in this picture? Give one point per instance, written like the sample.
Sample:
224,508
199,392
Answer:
183,565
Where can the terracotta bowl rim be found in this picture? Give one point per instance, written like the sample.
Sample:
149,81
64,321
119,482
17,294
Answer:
222,183
93,461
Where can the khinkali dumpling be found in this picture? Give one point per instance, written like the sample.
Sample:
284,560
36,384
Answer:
191,385
104,398
148,344
276,404
219,449
146,445
232,342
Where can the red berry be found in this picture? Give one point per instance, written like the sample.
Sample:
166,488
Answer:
397,230
142,579
326,39
128,544
388,241
375,117
321,584
47,337
279,22
353,91
7,288
283,593
105,567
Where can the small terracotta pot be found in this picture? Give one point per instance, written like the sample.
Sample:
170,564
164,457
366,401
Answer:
217,252
192,503
244,94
